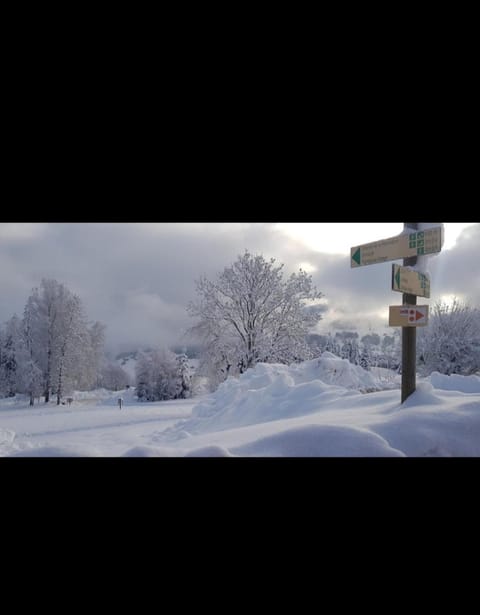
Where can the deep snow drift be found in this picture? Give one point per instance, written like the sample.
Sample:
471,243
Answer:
320,408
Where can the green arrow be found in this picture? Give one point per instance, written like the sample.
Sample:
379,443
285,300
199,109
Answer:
397,278
356,256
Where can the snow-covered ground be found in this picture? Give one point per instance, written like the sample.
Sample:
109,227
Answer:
320,408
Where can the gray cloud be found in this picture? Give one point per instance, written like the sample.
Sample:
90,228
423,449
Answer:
138,278
456,271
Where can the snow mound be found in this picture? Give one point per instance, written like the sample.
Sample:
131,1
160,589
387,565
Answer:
209,451
270,392
451,429
320,441
331,369
7,436
144,451
423,396
455,382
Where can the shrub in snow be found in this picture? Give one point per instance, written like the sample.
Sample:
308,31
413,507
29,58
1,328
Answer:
451,342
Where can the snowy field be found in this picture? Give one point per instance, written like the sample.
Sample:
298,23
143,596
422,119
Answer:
321,408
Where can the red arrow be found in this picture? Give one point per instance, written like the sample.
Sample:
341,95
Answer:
419,315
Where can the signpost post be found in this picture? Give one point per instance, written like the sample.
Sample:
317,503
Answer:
409,245
409,337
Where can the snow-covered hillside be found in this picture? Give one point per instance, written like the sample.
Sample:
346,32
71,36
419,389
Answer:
318,408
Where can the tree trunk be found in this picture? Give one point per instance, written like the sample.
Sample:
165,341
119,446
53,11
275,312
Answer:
47,381
59,387
31,398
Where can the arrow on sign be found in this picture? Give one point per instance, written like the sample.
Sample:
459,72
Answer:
356,256
408,316
409,281
415,315
397,278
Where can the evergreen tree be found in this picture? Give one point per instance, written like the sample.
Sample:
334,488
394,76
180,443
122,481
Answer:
11,342
184,377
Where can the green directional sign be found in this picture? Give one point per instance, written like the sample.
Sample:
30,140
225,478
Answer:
400,246
407,280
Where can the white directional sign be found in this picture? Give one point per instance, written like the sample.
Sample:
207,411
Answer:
405,280
400,246
408,316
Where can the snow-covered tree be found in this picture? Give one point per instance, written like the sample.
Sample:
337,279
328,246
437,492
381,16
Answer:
93,358
30,379
350,350
451,342
371,339
322,343
332,345
113,377
250,314
59,339
10,349
31,376
184,377
365,359
71,344
157,375
388,342
143,376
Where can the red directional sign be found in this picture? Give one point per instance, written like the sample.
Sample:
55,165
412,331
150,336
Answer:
408,316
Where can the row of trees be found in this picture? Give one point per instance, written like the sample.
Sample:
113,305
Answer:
249,314
53,349
368,351
450,344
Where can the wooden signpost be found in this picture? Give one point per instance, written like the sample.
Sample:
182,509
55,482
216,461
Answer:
409,245
412,282
400,246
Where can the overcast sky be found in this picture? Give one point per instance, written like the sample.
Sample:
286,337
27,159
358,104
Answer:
137,278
